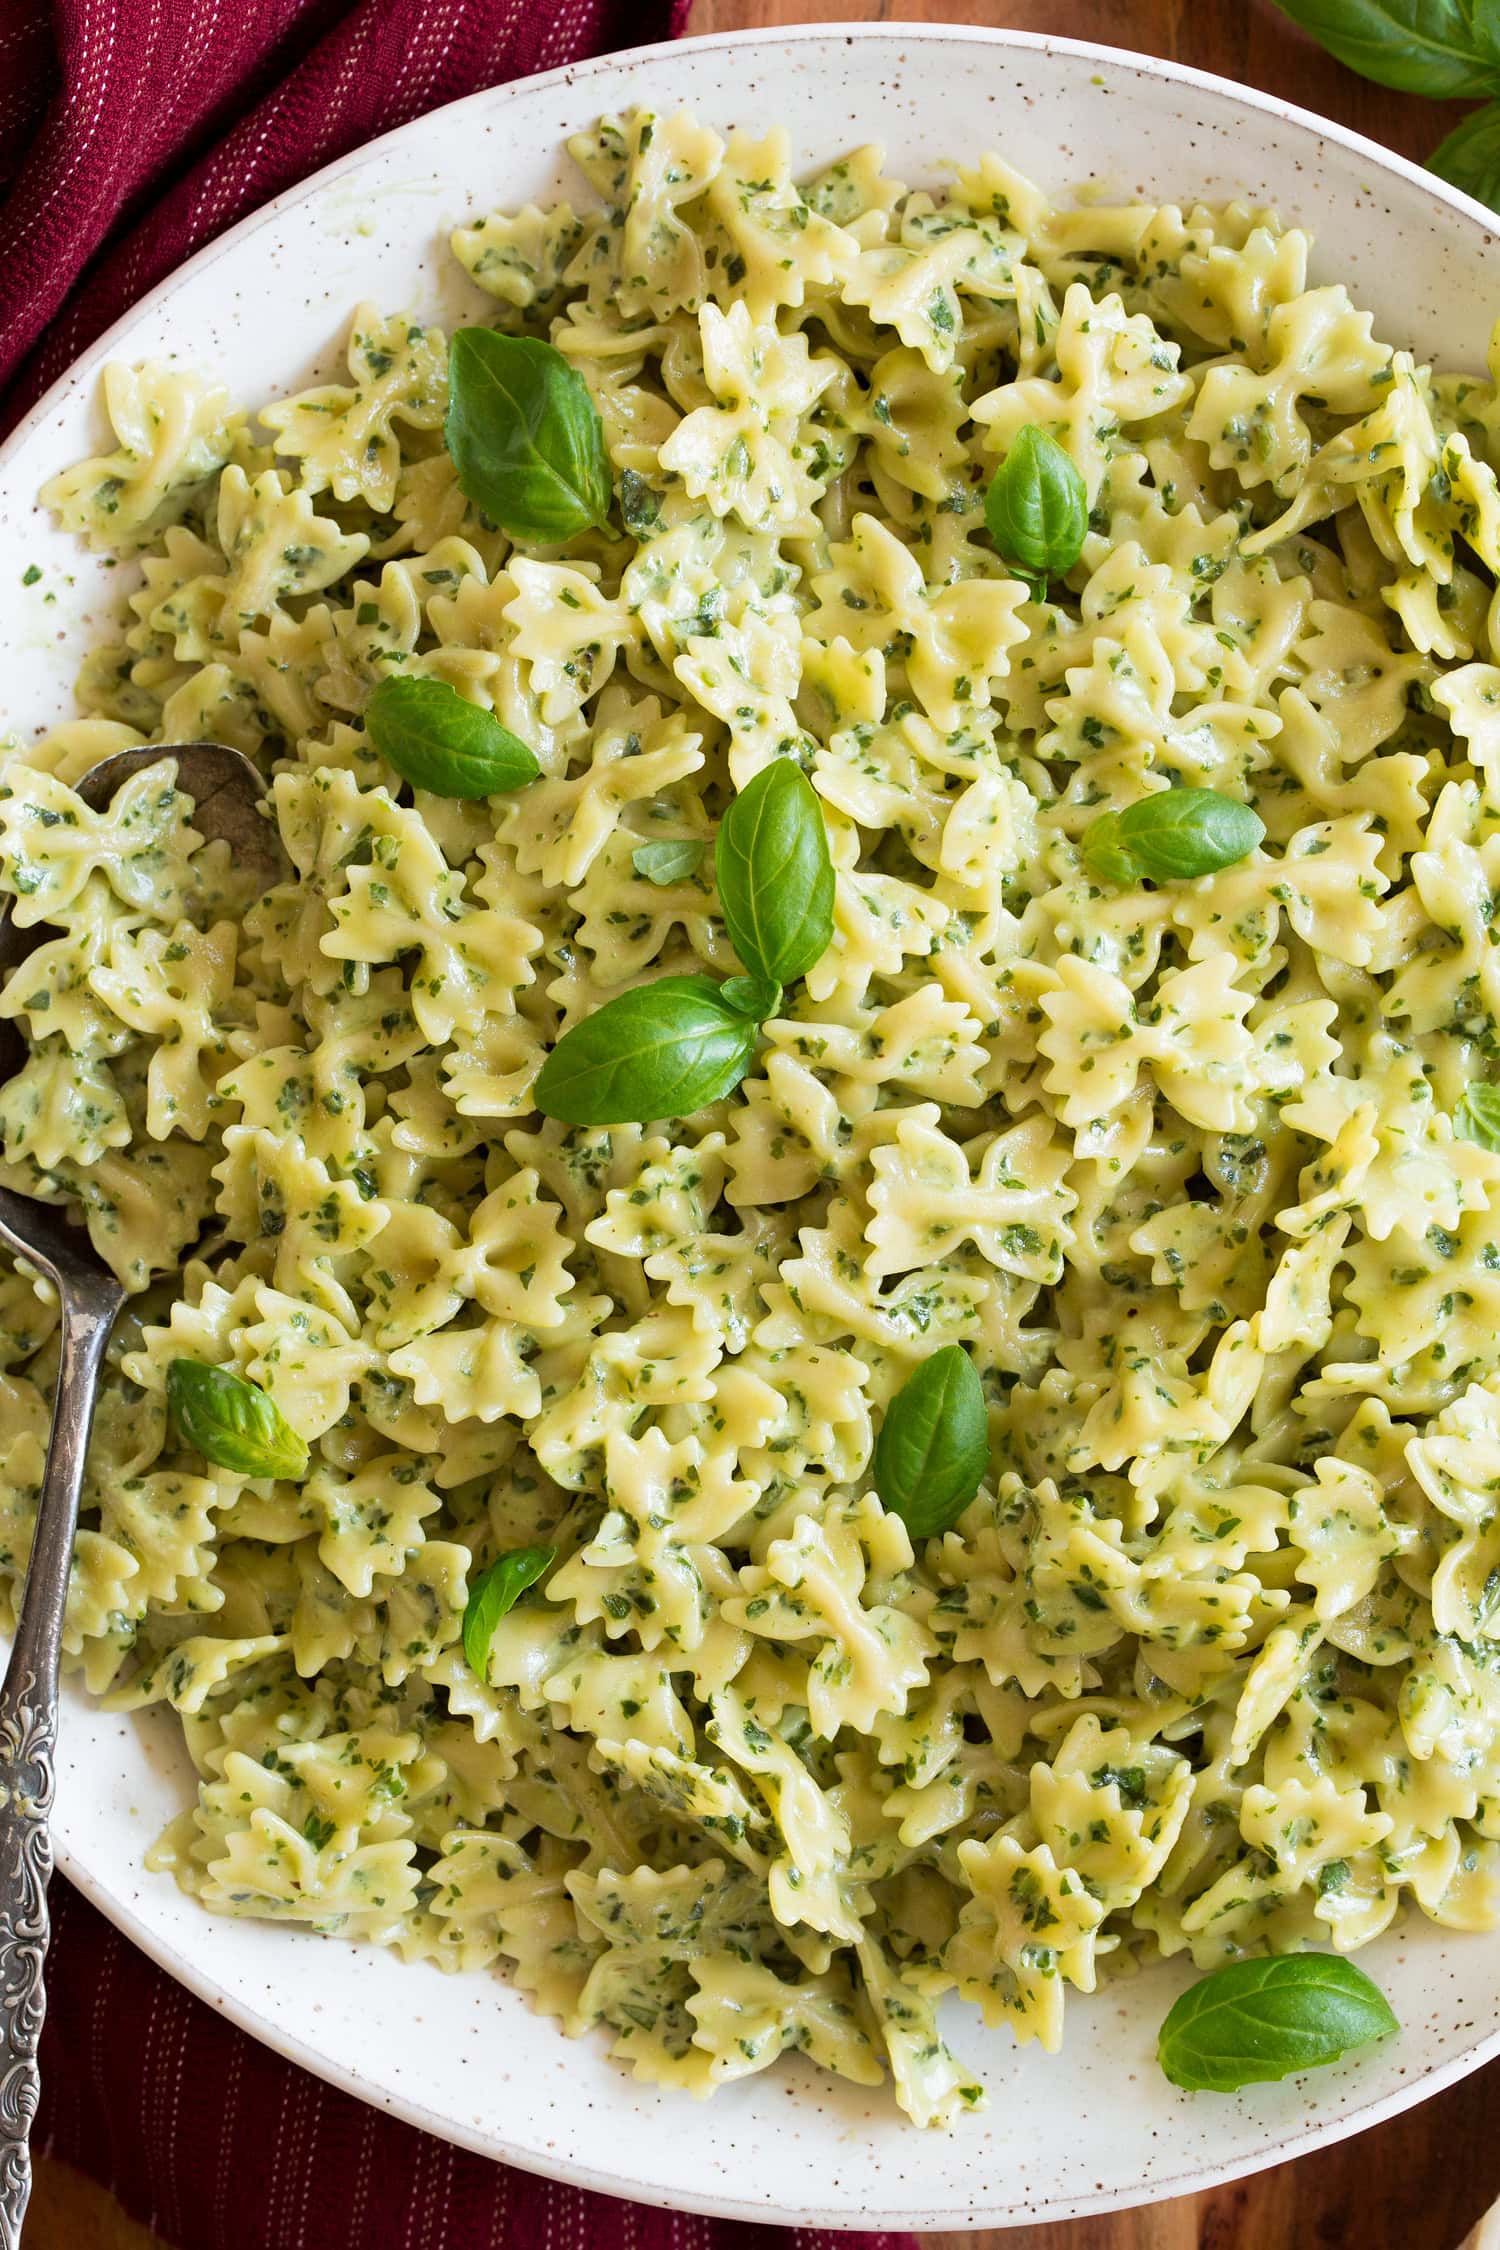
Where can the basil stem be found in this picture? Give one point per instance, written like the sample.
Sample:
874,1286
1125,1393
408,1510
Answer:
1037,508
1171,837
668,861
232,1423
495,1591
1254,2021
438,741
933,1447
525,436
1477,1117
662,1050
775,874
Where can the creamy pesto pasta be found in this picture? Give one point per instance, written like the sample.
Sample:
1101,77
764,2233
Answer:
1195,1171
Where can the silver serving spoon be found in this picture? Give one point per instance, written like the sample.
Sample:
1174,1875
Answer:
225,789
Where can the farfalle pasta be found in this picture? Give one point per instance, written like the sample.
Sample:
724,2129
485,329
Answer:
1189,1169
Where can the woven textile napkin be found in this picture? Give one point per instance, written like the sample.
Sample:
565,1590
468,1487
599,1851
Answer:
131,132
220,2145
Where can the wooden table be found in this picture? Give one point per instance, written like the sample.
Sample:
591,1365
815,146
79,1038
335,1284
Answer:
1420,2182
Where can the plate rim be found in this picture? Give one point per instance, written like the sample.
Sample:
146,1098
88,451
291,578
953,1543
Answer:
838,34
572,2172
118,1909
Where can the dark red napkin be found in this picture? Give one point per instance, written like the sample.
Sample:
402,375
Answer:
132,132
220,2145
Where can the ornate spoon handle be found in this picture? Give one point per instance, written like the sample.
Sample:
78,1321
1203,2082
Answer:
28,1734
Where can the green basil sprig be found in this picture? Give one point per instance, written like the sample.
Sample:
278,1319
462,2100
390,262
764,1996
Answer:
1446,48
1477,1117
1254,2021
438,741
1037,507
933,1447
233,1423
775,874
667,861
662,1050
1440,47
1470,157
671,1047
1171,837
495,1591
525,436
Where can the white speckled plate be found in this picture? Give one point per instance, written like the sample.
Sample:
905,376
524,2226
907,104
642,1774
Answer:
1096,2126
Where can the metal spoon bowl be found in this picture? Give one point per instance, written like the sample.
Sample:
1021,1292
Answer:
226,790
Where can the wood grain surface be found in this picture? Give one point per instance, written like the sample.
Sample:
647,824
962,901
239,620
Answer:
1420,2182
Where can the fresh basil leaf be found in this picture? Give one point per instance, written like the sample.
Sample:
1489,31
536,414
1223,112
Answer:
775,874
934,1446
231,1422
662,1050
1470,156
668,861
1448,48
1105,855
1037,508
1171,837
525,436
1477,1117
1253,2021
756,997
495,1591
438,741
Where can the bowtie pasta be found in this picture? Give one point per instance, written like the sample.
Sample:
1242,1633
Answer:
1207,1666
